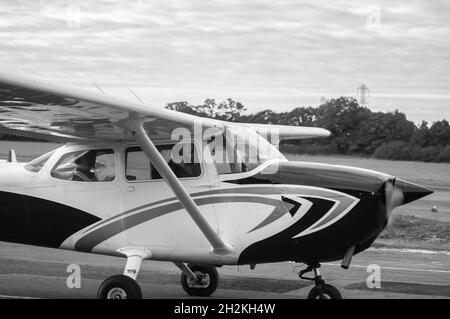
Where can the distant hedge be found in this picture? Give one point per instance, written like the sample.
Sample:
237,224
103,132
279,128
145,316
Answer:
311,149
398,150
395,150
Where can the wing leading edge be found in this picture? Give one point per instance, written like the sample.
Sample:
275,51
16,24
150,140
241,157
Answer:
38,109
34,108
286,132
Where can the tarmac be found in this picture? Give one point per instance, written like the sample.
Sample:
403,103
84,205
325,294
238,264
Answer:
34,272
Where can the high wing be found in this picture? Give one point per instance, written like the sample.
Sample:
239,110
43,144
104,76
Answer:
286,132
34,108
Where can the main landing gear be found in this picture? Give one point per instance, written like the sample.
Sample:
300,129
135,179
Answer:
321,289
198,280
125,286
119,287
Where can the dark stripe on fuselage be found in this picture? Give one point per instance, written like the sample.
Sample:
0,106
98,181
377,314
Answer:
281,246
360,226
35,221
340,178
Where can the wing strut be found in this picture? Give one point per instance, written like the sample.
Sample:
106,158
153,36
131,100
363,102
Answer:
219,247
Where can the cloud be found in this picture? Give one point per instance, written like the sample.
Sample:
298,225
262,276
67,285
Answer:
283,52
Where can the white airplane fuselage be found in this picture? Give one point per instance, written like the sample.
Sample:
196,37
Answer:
279,211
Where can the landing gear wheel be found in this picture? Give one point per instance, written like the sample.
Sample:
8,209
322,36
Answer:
325,291
119,287
205,285
321,289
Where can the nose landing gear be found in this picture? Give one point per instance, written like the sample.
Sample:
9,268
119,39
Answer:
321,289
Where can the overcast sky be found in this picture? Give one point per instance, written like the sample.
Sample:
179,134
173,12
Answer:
267,54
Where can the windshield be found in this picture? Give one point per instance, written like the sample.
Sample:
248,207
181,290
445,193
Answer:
240,150
36,164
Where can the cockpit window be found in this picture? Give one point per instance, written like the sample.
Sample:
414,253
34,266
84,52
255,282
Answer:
36,164
139,168
240,150
86,166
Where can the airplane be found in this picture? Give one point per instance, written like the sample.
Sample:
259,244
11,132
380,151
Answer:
115,189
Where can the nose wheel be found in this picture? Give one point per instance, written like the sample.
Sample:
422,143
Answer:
321,290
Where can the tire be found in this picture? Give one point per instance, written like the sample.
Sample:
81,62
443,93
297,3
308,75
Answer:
325,292
209,277
119,287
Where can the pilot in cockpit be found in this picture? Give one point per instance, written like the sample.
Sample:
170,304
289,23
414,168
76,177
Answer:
85,168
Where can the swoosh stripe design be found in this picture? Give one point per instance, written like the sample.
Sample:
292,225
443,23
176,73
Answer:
260,190
89,241
281,246
119,223
339,210
275,215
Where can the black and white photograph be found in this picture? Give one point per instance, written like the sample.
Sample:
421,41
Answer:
232,157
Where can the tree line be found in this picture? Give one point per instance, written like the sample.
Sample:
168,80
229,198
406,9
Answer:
355,129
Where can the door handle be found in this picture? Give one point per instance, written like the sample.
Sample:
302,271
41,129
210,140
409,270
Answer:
131,189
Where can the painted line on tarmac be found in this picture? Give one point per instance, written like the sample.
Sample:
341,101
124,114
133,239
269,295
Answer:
395,268
438,187
17,297
411,250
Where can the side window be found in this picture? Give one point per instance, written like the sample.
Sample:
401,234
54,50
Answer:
139,168
86,166
223,157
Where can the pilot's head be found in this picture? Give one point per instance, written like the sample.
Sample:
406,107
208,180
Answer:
87,161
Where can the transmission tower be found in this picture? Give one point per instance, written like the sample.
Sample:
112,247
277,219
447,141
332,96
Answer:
362,95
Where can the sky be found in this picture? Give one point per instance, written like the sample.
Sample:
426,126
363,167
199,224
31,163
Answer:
276,54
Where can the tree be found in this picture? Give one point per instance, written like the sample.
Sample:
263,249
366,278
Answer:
355,129
343,117
421,136
301,116
229,110
209,108
184,107
266,116
439,133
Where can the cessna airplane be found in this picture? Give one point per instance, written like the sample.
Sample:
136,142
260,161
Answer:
114,188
